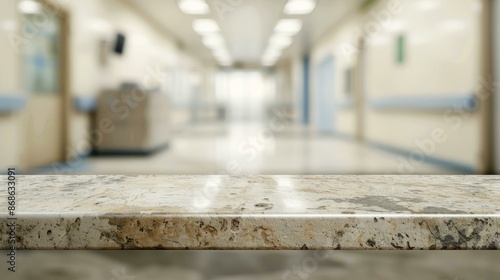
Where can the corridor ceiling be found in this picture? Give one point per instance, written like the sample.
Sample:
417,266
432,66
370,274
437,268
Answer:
246,25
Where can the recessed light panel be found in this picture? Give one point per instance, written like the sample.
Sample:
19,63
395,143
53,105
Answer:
213,41
288,26
194,7
280,41
30,7
205,26
299,7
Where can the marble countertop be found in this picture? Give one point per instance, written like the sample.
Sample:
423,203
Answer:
254,212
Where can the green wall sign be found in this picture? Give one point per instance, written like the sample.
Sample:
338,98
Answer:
400,49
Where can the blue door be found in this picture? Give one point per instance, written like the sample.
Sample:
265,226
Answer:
325,98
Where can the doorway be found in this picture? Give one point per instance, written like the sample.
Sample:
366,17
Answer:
325,100
246,94
45,80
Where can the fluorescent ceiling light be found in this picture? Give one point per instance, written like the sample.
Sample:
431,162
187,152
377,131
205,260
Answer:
30,7
213,41
205,26
280,41
299,7
288,26
194,7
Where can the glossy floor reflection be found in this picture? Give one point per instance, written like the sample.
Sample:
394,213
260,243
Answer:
243,265
244,149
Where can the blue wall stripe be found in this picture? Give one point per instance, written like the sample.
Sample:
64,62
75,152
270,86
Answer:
15,102
324,104
465,101
440,162
11,103
436,161
85,104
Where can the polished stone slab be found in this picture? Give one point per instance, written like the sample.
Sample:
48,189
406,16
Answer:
255,212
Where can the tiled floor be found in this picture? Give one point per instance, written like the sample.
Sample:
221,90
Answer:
243,148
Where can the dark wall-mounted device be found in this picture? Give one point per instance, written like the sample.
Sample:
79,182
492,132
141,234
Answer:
119,46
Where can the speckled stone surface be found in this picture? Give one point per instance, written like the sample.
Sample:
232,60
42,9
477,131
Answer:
255,212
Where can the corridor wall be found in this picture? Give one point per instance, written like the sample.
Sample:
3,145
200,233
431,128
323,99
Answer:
151,57
11,96
423,72
423,80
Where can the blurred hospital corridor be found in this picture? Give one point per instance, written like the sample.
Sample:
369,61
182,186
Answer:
249,87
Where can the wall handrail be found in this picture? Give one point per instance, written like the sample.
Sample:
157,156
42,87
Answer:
12,102
464,101
85,104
